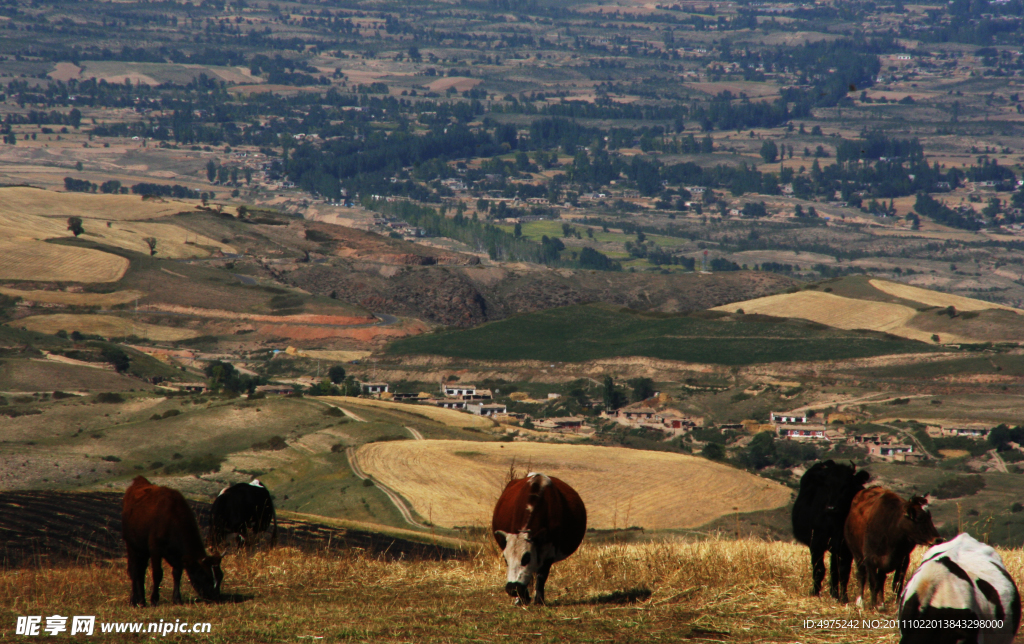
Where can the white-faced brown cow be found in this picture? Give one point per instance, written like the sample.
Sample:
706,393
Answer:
537,521
882,530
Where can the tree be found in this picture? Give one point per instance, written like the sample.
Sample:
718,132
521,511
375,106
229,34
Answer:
75,117
643,388
151,242
75,225
613,396
518,230
713,451
761,451
336,374
769,151
211,170
118,358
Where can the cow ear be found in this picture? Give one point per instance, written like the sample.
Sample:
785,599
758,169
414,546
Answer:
501,535
863,476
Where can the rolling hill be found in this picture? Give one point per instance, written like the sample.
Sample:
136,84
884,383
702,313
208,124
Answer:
594,331
456,483
865,303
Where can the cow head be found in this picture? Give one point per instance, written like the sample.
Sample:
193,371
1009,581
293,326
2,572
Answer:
918,522
206,577
524,552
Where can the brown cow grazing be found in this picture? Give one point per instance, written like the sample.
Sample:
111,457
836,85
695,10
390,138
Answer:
881,531
157,523
537,521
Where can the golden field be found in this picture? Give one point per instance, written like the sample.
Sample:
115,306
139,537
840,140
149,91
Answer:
39,261
108,326
714,590
936,298
33,202
74,299
835,311
456,483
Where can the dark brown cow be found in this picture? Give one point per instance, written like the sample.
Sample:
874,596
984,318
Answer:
157,523
537,521
881,531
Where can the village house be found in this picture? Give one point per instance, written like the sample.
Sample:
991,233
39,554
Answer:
486,409
889,451
191,387
790,418
970,432
814,432
446,403
458,390
565,425
373,388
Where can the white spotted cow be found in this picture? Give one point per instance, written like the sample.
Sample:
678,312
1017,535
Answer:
245,510
539,520
960,594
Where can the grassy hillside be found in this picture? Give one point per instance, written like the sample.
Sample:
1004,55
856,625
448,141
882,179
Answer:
717,590
456,483
589,332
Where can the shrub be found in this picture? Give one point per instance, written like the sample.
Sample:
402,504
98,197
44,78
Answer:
958,486
60,395
170,412
111,459
109,397
196,465
273,443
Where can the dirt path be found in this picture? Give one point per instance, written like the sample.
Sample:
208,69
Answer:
399,502
415,433
998,461
355,417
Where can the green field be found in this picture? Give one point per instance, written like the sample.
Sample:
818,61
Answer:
593,331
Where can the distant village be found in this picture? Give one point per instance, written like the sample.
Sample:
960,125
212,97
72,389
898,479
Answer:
654,416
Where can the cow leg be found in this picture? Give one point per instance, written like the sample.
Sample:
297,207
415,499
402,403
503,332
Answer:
819,544
542,578
862,573
842,562
176,576
899,575
158,575
137,573
877,582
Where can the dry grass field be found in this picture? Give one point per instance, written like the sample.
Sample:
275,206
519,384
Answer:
935,298
75,299
711,591
108,326
449,417
46,375
455,483
39,261
21,201
836,311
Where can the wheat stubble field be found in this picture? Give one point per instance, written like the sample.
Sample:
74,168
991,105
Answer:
455,483
42,262
705,591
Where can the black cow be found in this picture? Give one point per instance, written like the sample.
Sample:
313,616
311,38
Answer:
819,517
245,510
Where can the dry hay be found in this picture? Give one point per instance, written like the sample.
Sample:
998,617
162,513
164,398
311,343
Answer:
42,262
954,453
456,483
75,299
21,201
450,417
107,326
935,298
